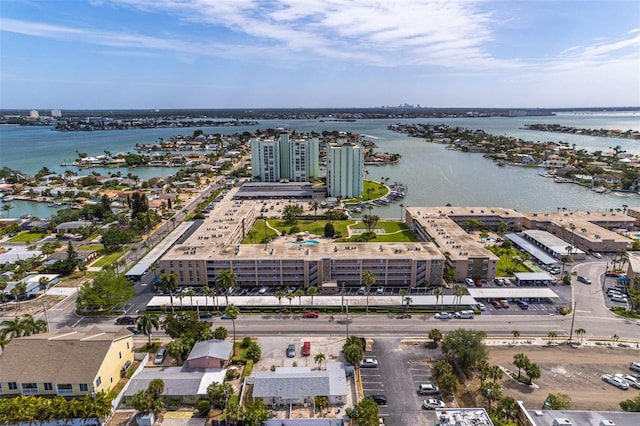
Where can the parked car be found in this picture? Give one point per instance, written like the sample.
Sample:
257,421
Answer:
133,329
615,381
380,290
126,320
291,351
584,279
596,255
443,315
160,355
635,366
205,315
428,389
465,314
362,290
523,305
619,298
481,307
379,399
611,274
306,349
555,270
432,404
263,290
631,380
499,282
469,282
504,303
369,363
496,305
310,314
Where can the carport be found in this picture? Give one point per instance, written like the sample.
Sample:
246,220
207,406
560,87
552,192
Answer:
535,252
533,278
533,294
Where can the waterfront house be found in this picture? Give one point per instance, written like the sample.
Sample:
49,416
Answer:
66,363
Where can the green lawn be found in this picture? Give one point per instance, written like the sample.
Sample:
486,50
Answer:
311,226
27,237
371,191
258,232
508,263
388,226
107,260
397,232
94,247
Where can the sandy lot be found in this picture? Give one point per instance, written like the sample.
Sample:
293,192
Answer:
574,371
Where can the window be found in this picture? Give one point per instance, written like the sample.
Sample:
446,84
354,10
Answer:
48,386
98,382
120,354
13,386
84,387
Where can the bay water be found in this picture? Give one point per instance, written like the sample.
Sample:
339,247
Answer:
434,175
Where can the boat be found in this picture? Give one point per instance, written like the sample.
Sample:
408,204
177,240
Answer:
600,189
501,164
561,180
7,198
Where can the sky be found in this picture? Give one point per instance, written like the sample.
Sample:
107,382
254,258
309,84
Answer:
147,54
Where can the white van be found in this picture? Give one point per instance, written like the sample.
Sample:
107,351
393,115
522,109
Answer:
465,314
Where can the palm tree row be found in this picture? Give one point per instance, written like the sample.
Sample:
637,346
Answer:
33,409
18,327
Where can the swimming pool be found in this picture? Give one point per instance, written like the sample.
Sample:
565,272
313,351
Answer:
491,240
312,242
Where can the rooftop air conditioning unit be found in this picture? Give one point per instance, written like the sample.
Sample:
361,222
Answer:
561,422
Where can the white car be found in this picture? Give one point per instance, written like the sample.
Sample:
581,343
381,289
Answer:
369,363
631,380
481,307
380,290
620,299
432,404
428,389
443,315
596,255
615,381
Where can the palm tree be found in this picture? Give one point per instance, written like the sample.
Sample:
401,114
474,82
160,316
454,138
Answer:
18,290
169,282
12,328
516,334
312,291
368,279
208,292
146,323
232,311
580,332
319,359
438,292
402,293
552,335
290,297
181,296
458,292
314,206
299,293
30,326
407,301
279,295
226,280
191,293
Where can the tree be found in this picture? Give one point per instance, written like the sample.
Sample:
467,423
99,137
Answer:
220,333
106,292
370,222
208,292
438,292
365,413
448,383
353,353
329,230
299,293
533,371
169,283
580,332
491,391
233,412
226,280
458,292
178,349
254,352
219,393
146,323
256,413
279,294
465,346
515,334
156,387
18,291
290,213
312,291
560,401
435,335
520,360
631,405
368,279
12,328
552,335
232,311
319,358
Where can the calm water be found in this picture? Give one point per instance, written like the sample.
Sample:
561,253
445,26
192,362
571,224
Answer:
434,175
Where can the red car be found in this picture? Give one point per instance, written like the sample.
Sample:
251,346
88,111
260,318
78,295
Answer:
306,349
496,304
310,314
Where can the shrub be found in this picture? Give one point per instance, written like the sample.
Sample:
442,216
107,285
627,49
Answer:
246,342
254,353
203,406
231,374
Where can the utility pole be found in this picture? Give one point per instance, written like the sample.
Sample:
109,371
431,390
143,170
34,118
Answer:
573,318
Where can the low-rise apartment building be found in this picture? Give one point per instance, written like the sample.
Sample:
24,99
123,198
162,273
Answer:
65,363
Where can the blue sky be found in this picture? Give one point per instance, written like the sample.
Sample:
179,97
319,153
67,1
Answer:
120,54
